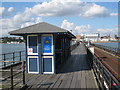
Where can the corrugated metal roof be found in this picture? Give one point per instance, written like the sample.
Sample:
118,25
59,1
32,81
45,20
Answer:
38,28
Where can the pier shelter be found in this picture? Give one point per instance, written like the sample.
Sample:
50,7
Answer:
47,47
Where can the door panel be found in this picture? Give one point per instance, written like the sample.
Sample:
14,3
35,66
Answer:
47,44
32,50
47,64
33,64
32,45
47,52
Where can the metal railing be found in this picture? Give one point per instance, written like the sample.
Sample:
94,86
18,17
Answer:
11,57
13,77
115,51
104,77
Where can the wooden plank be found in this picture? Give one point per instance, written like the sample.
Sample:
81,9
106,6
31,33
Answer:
83,81
78,81
64,81
69,80
59,81
38,81
88,80
92,79
45,81
73,82
55,80
49,81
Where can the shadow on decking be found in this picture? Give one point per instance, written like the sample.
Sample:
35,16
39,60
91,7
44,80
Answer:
76,63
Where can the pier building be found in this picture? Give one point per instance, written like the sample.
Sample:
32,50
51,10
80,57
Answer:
47,47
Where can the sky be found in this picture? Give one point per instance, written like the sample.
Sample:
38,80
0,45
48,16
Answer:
78,16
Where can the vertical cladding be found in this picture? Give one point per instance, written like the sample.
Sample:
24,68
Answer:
39,54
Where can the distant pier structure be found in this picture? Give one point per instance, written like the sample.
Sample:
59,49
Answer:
94,37
47,46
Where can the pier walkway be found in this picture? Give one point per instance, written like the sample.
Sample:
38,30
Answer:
75,73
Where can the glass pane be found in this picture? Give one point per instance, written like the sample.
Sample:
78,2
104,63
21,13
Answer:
33,64
47,64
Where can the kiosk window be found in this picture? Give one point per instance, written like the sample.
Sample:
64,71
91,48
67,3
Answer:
33,43
47,44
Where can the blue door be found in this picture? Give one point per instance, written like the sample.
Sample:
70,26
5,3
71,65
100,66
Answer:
47,54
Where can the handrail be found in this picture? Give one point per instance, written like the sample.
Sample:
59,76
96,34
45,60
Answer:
12,76
12,57
13,52
104,77
115,51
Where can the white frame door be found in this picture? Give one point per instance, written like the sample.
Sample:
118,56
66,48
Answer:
52,65
48,55
29,64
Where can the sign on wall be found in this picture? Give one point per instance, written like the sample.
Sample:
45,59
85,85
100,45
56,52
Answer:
47,44
30,50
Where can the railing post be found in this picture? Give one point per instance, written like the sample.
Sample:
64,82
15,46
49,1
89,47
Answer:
20,55
11,70
110,83
4,58
23,70
13,57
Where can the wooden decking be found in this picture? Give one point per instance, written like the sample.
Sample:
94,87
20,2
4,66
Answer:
75,73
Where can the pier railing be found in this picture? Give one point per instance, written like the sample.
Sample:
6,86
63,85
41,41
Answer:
104,77
115,51
13,77
12,58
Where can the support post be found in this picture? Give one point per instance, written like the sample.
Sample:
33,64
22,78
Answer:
20,55
4,60
23,71
13,57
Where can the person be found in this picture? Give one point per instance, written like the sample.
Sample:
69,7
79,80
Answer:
88,44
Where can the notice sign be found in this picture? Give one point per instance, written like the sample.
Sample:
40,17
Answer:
47,44
30,50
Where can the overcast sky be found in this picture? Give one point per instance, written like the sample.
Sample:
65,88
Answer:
78,16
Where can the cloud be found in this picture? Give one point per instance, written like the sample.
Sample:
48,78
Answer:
104,30
15,23
113,14
69,8
6,25
38,20
2,10
33,21
67,25
94,10
77,30
85,29
27,24
107,31
11,9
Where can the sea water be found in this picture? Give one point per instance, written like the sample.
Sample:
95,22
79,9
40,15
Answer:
10,48
114,45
